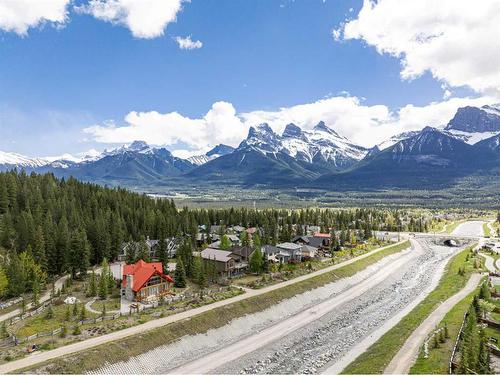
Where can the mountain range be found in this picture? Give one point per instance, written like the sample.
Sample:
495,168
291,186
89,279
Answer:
468,146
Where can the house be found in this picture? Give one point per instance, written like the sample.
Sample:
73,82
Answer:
226,263
309,251
320,241
145,281
233,239
283,252
237,229
245,252
152,245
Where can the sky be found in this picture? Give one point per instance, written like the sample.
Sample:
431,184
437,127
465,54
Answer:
77,75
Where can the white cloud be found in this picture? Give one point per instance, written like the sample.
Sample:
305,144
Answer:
20,15
145,18
363,124
188,43
219,125
456,40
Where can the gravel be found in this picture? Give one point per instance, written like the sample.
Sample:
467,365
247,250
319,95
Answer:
315,346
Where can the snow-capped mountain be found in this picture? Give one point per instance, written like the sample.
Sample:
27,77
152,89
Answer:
9,160
321,145
217,151
396,138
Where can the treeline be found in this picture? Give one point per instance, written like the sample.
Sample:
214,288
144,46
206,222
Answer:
67,225
474,355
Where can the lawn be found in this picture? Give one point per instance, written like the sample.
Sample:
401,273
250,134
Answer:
486,230
111,304
41,323
378,356
129,347
437,361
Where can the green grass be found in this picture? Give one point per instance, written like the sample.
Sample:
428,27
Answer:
486,230
437,361
137,344
41,324
378,356
111,304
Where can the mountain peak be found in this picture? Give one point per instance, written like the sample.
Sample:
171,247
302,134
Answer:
220,149
292,131
473,119
322,127
138,146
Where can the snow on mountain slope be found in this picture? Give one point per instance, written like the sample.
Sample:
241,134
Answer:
396,138
214,153
472,138
11,159
321,145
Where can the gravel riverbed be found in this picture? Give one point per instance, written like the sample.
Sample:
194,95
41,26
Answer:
320,343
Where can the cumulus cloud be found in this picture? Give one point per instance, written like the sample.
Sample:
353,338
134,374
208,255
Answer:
219,125
145,18
456,40
188,43
20,15
363,124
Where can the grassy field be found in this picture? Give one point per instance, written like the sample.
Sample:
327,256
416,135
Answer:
437,360
378,356
486,230
124,349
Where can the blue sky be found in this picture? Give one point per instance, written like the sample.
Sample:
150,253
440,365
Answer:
259,55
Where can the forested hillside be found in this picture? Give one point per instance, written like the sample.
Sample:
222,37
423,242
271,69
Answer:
50,226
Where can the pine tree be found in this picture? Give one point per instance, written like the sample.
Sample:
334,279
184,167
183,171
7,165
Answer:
92,291
4,283
67,314
83,312
256,261
225,244
180,275
75,309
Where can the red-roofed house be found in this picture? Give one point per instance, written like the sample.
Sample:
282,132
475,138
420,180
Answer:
145,281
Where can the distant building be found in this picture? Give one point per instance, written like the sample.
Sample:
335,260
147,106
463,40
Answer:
152,245
145,281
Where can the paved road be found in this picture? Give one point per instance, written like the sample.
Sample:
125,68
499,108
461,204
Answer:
407,355
39,357
44,297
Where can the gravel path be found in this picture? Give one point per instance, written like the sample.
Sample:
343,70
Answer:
407,355
306,333
44,297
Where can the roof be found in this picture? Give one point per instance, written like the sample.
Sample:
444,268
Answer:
233,237
216,254
289,246
244,251
322,235
142,272
269,249
251,230
308,248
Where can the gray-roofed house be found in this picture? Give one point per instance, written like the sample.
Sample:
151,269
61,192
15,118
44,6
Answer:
227,263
